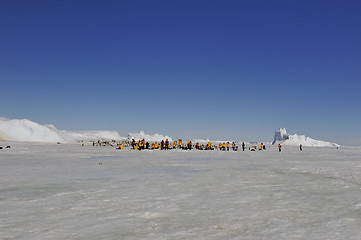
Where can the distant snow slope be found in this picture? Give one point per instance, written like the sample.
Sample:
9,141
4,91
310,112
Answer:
95,135
282,137
26,130
149,138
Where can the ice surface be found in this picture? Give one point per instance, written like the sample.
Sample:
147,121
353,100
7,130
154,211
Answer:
68,191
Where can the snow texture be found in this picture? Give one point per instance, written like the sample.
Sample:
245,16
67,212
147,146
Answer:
69,191
283,138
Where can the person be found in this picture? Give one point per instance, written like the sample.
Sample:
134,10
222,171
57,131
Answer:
224,146
209,146
121,147
227,146
180,143
261,146
162,145
279,147
140,145
300,147
174,144
220,146
190,145
233,146
243,146
166,144
147,145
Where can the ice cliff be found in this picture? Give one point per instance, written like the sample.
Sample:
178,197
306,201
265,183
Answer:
282,137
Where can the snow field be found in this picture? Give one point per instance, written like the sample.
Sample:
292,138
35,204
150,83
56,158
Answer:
67,191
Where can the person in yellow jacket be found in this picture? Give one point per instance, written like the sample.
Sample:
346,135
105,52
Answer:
279,147
174,144
224,146
227,146
220,146
121,147
180,143
189,145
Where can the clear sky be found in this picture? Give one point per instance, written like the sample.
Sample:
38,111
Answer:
201,68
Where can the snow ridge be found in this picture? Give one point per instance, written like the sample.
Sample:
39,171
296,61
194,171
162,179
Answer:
150,138
26,130
29,131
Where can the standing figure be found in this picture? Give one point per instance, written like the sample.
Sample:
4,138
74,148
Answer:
166,144
300,147
279,147
243,146
162,145
189,145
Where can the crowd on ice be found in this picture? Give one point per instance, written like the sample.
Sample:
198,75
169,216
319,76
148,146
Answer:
168,145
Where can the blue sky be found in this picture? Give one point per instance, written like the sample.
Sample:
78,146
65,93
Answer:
207,69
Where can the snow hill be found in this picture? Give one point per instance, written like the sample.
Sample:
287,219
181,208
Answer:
283,138
26,130
150,138
95,135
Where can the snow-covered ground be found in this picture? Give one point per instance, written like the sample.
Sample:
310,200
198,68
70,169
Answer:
68,191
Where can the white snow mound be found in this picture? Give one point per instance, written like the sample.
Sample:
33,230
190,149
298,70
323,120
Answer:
26,130
29,131
283,138
150,138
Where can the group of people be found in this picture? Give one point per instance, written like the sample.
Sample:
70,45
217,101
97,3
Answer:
280,147
167,145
